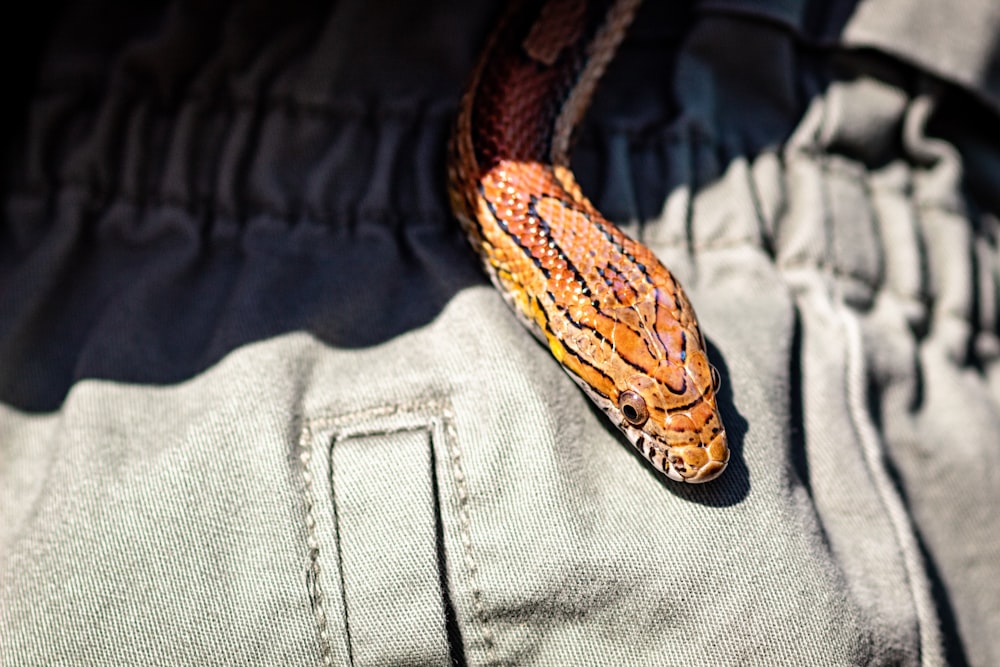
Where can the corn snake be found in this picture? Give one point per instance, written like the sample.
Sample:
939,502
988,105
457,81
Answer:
608,310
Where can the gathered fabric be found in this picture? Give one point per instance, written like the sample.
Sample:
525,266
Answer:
259,404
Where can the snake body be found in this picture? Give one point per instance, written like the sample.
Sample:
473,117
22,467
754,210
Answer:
611,314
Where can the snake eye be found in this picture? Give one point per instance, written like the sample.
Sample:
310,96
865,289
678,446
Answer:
716,380
633,407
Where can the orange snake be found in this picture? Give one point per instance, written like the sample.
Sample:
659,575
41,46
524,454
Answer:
611,314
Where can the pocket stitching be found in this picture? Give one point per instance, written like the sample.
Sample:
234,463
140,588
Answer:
439,415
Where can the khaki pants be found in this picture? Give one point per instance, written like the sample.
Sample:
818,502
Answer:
258,404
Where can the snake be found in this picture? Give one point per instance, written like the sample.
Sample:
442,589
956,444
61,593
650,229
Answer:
611,314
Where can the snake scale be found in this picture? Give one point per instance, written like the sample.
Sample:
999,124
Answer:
611,314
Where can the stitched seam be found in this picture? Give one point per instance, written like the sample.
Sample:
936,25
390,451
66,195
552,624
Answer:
206,205
892,504
353,107
465,530
348,638
439,412
314,588
316,597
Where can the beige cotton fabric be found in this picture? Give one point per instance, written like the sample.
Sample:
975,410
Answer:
258,404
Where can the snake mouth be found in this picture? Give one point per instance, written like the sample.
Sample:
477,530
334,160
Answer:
705,473
693,465
673,474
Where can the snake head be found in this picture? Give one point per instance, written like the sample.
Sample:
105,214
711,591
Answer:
672,418
663,394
